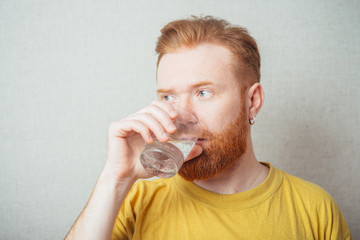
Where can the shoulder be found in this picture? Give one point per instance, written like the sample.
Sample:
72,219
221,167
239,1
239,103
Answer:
302,184
151,184
145,190
305,187
317,204
141,196
307,192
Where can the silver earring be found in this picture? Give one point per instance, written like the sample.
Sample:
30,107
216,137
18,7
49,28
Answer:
252,121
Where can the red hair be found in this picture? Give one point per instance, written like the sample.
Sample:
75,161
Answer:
189,33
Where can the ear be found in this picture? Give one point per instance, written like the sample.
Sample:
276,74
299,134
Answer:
256,99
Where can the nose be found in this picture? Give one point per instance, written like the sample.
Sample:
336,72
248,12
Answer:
185,104
189,107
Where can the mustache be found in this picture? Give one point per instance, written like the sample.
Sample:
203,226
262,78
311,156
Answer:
223,149
205,133
211,136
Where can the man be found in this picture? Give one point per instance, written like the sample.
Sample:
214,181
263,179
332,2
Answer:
212,69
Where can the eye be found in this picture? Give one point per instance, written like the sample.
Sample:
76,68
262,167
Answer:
204,93
168,98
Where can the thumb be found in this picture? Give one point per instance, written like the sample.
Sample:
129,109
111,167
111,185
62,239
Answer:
195,151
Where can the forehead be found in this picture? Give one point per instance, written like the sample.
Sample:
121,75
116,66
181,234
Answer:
204,63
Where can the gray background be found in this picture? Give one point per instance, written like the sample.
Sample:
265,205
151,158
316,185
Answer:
70,68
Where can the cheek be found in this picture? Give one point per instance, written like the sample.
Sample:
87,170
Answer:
216,118
216,114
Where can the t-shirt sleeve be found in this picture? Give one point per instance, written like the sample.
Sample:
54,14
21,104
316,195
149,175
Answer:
119,230
334,224
125,221
327,221
341,228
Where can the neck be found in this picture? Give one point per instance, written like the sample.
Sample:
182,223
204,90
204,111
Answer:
245,174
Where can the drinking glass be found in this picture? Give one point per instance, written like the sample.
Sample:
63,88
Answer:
164,159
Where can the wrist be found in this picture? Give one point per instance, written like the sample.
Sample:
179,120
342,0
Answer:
109,176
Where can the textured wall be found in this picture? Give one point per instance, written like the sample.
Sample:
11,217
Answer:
69,68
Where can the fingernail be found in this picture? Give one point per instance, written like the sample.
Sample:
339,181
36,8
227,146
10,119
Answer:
165,135
173,113
172,128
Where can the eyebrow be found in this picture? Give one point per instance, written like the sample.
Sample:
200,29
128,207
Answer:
199,84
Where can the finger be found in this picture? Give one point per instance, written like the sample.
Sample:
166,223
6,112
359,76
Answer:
195,151
162,117
169,109
152,123
127,128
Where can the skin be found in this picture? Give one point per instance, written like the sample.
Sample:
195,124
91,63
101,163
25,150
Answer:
199,80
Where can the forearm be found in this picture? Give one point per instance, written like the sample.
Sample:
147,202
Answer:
122,168
98,217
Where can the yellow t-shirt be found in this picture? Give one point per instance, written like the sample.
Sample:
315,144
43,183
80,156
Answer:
282,207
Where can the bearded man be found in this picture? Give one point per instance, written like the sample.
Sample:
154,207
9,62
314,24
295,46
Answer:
211,69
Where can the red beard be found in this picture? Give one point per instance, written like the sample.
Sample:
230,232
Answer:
224,149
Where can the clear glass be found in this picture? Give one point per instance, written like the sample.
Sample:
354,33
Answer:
165,159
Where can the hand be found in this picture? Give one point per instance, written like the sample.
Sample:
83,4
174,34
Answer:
126,138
